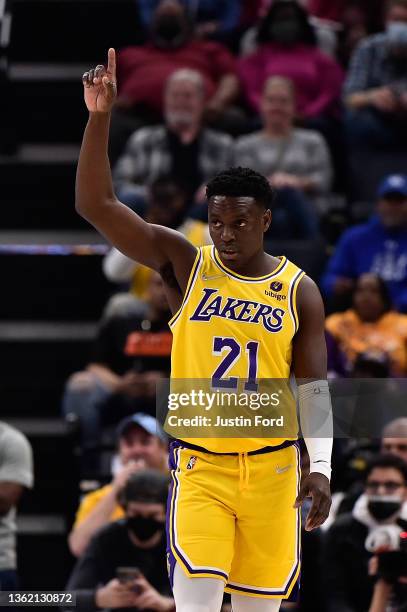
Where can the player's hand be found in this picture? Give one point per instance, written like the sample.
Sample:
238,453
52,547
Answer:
315,485
100,88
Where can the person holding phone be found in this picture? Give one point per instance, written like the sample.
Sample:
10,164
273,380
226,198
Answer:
124,565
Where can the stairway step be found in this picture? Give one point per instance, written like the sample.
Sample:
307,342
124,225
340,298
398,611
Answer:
36,360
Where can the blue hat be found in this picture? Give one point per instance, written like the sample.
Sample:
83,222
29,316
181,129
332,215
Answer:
145,421
394,183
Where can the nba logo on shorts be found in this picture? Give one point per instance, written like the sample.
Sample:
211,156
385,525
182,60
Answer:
191,463
276,286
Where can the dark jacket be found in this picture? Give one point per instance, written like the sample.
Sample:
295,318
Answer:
348,587
109,549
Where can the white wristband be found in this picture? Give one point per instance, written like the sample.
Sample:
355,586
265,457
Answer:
316,424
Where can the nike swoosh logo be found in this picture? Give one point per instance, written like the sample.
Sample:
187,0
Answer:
280,470
206,277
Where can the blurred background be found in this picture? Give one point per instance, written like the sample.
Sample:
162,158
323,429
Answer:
312,94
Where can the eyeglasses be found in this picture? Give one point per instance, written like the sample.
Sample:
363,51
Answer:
402,448
389,486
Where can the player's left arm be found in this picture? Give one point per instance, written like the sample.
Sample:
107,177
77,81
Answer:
310,370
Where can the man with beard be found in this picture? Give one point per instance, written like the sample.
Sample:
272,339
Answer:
144,70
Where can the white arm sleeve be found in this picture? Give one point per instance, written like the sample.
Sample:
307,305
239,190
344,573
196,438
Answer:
317,424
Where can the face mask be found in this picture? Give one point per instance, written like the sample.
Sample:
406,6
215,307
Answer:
397,34
143,528
168,28
383,507
286,32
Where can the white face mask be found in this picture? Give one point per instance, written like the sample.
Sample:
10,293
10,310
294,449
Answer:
397,34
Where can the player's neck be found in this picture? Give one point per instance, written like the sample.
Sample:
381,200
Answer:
259,264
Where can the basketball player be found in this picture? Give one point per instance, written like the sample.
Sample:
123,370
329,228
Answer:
234,505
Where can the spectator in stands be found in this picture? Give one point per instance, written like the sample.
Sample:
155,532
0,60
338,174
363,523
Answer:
131,353
182,148
16,474
348,585
394,439
296,162
210,18
287,47
142,444
143,72
371,325
378,246
376,85
137,540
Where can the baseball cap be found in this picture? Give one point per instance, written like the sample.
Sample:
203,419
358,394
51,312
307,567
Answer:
145,421
394,183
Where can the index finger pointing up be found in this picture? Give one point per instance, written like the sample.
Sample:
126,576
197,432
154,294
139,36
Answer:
111,63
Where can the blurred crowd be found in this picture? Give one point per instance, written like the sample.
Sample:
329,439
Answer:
312,94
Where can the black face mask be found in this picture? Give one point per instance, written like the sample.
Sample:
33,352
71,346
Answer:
382,508
168,29
143,528
286,32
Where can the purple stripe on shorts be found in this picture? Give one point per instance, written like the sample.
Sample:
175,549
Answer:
172,498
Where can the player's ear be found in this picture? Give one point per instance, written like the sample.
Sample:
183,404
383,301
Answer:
267,216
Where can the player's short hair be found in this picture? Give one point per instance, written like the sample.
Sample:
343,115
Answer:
236,182
387,461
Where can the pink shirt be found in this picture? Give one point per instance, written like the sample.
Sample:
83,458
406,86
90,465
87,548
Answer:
317,78
143,71
327,9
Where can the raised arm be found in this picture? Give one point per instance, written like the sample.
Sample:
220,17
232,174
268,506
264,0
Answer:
155,246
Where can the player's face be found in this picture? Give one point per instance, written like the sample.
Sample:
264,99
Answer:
237,226
138,445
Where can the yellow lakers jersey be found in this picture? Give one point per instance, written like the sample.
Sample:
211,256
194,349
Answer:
233,330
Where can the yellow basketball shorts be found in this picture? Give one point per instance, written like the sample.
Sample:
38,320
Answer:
231,517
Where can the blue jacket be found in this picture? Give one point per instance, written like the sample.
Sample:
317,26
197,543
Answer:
371,247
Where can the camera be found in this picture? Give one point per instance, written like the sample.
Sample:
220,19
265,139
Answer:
389,543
